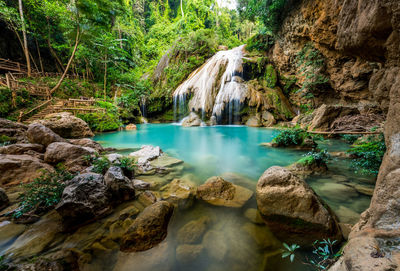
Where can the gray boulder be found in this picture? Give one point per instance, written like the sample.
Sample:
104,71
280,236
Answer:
40,134
119,185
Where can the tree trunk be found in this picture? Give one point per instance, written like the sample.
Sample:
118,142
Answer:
183,14
69,62
105,78
26,50
40,58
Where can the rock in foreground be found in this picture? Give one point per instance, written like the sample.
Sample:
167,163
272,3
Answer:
148,229
85,197
292,210
67,125
39,134
217,191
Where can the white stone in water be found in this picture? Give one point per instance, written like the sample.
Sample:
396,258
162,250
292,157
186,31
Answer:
147,153
202,83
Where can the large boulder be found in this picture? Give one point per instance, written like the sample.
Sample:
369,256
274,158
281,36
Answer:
120,186
71,155
21,148
325,115
268,119
40,134
148,229
21,168
292,210
87,142
254,121
86,197
4,201
192,120
67,125
217,191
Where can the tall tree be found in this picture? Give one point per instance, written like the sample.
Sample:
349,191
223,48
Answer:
23,26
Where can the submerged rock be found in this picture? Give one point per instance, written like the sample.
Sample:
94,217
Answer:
188,253
148,229
21,168
192,232
39,134
67,125
181,193
292,210
192,120
86,197
4,201
217,191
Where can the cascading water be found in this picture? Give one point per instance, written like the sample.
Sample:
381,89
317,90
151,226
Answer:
143,107
211,92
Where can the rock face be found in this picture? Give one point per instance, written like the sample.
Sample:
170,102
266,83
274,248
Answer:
192,120
20,168
120,186
4,201
148,229
87,142
71,155
325,116
40,134
86,197
217,191
16,131
67,125
292,210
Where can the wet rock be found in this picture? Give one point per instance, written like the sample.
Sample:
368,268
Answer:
254,121
156,182
21,168
141,185
86,197
9,231
346,229
254,216
217,191
346,215
292,210
192,120
120,186
268,119
37,237
188,253
87,142
21,149
148,229
130,127
66,125
192,232
72,156
40,134
146,154
4,201
147,198
165,161
180,193
160,257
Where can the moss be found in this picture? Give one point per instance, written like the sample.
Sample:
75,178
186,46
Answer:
279,102
271,76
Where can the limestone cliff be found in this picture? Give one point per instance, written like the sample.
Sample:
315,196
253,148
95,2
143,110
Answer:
360,40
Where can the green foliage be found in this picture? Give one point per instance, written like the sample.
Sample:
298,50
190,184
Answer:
101,122
311,63
318,158
324,254
22,100
126,163
368,155
43,193
350,139
260,42
6,140
101,165
271,76
291,137
3,265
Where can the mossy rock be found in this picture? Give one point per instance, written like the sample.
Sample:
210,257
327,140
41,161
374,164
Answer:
279,102
271,76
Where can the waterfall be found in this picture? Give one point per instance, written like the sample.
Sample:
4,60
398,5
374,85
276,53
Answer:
143,107
215,93
179,107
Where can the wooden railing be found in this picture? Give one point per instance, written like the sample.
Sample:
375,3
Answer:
23,116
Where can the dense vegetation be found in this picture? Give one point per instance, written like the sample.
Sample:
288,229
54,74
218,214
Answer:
293,137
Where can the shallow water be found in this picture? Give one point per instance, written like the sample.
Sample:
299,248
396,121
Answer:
235,153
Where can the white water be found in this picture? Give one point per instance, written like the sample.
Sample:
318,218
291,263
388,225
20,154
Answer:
213,93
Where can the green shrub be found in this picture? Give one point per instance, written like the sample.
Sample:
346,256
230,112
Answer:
350,139
315,158
101,165
127,164
43,193
293,137
368,155
101,122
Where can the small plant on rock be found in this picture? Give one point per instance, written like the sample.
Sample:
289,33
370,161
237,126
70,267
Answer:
43,193
294,137
127,164
318,158
101,165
